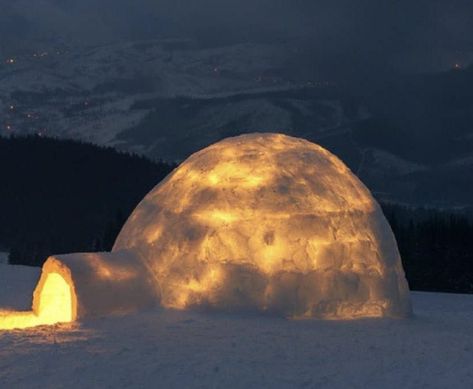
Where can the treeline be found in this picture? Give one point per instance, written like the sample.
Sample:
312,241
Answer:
60,196
436,248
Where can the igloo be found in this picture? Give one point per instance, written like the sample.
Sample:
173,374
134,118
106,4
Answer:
258,222
268,222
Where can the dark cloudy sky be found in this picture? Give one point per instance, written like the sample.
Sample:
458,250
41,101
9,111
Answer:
412,35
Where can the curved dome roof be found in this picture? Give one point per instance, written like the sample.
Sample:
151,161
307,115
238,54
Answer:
268,222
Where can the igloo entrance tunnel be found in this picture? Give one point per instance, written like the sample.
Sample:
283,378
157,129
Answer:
260,222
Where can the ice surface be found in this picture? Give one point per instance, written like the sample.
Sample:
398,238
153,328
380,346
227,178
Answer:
271,223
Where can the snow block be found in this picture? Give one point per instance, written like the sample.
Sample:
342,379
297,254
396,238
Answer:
100,283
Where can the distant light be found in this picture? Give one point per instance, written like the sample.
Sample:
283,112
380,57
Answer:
457,66
10,61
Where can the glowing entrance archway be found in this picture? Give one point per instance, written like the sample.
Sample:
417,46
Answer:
74,286
55,300
52,304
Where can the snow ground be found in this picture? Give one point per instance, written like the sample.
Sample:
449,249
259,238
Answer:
172,349
3,258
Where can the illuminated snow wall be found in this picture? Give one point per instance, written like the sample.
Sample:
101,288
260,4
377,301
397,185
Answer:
271,223
76,286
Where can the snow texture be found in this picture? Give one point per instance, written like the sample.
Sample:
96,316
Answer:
267,222
101,283
181,349
16,286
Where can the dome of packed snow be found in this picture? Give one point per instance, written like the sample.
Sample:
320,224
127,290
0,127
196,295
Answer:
268,222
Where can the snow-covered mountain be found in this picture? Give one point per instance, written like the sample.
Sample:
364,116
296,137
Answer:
145,96
89,93
169,98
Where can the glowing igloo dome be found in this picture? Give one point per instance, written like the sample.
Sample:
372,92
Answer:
268,222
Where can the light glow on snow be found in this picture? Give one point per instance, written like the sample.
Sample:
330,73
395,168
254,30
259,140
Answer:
110,271
53,305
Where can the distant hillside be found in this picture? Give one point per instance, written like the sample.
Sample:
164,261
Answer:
426,118
61,196
410,137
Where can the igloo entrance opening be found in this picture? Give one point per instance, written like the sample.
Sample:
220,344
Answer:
53,304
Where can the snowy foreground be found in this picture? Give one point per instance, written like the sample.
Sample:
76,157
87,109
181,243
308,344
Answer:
187,349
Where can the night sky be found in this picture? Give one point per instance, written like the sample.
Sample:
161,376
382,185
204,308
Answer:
337,38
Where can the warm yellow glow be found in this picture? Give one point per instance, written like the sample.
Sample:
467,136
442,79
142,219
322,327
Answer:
107,271
153,234
217,217
269,221
190,292
229,174
10,320
54,306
